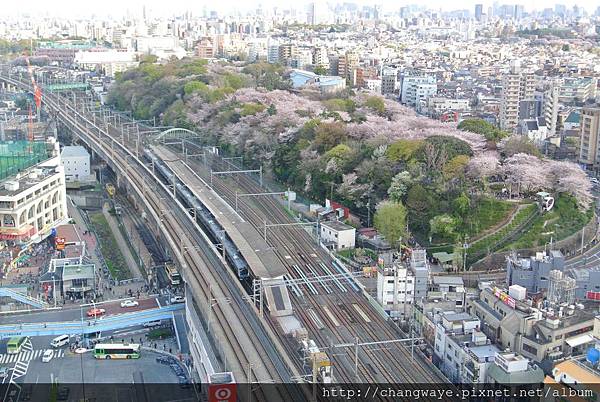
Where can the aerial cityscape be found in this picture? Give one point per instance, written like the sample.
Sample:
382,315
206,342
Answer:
297,202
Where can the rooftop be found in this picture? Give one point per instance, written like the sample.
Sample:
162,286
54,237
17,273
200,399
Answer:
580,370
71,151
27,179
448,280
78,271
16,156
337,226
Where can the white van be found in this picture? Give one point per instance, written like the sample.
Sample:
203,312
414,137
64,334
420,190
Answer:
151,324
60,341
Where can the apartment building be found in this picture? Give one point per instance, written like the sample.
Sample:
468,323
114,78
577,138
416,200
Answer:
436,106
338,235
415,90
577,89
550,107
461,351
395,288
389,81
589,134
516,87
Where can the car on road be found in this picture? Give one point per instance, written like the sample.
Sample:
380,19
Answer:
129,303
177,299
47,356
95,312
3,372
594,180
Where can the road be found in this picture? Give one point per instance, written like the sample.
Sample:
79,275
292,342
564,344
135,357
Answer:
74,312
591,257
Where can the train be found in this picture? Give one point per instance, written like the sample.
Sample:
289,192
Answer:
203,216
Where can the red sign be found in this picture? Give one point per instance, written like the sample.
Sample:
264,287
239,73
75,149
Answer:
592,295
59,243
222,392
506,299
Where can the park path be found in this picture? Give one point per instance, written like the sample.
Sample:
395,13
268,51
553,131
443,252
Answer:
499,227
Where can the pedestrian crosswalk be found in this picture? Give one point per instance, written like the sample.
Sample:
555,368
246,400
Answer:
20,370
29,355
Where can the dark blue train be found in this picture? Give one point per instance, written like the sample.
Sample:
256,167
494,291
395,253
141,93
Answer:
203,216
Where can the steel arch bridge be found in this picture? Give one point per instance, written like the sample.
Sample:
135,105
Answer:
175,135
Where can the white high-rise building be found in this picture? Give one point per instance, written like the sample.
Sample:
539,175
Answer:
516,86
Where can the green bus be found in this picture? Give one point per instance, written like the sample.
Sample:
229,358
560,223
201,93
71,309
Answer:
15,344
117,351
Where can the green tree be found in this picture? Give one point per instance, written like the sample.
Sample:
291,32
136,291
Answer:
517,144
320,70
328,135
455,167
390,221
480,126
443,226
340,105
400,185
195,86
403,150
250,109
462,205
376,104
451,146
458,260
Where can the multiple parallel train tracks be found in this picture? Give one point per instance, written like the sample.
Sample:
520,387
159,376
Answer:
332,310
249,348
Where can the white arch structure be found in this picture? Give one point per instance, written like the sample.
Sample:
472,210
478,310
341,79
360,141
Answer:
175,136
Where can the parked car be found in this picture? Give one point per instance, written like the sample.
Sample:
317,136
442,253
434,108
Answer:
129,303
177,299
95,312
47,356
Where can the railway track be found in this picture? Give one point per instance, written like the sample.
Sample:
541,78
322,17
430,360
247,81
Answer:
295,247
252,353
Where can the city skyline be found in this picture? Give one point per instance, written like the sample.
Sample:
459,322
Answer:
116,8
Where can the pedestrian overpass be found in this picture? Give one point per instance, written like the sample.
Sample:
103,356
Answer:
23,298
89,326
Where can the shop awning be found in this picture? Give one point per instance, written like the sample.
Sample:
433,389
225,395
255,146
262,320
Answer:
579,340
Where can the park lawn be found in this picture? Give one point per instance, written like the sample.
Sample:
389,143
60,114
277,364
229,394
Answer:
110,249
564,220
487,213
489,244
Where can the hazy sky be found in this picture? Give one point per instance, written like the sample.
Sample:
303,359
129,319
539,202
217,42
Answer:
71,8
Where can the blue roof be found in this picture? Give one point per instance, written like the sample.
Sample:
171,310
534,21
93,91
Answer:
573,118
